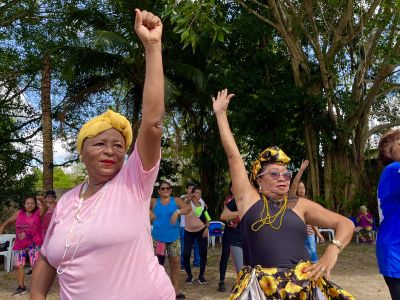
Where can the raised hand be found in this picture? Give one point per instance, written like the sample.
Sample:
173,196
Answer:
220,104
304,164
148,27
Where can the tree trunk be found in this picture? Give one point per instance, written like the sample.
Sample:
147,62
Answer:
47,124
341,176
312,153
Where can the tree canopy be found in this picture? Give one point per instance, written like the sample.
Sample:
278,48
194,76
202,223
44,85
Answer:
318,79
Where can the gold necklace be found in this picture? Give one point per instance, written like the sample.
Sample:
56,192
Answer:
268,219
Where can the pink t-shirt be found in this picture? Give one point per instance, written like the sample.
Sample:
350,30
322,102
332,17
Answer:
363,221
28,230
46,218
115,259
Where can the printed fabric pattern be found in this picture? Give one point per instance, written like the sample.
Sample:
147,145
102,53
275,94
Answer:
282,283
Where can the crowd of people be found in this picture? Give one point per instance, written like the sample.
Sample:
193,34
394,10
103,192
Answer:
108,238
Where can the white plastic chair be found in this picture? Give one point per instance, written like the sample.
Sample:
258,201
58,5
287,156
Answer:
216,229
8,257
331,233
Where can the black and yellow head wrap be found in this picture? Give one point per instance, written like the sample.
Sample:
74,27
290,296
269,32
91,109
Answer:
272,155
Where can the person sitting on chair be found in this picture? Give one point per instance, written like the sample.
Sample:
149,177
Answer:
364,222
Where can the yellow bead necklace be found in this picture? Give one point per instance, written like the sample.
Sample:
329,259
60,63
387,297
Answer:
268,219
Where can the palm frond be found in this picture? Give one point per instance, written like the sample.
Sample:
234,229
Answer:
83,61
113,41
171,90
85,17
193,74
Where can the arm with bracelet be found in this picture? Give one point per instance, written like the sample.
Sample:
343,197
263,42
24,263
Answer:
183,209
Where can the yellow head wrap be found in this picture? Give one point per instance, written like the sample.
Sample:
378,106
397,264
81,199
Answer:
272,155
97,125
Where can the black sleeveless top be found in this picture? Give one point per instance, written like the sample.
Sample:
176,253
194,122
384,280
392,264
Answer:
268,247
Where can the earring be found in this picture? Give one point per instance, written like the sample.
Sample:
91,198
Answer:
259,189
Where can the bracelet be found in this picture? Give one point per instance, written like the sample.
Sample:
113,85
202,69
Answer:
338,244
178,211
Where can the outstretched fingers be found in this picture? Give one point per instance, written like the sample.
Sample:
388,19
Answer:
220,104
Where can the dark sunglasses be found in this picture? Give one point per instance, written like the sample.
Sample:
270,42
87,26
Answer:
275,174
165,188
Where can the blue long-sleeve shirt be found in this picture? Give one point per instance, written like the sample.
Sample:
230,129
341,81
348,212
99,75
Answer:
388,241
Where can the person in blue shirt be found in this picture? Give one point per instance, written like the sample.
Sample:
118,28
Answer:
388,240
164,213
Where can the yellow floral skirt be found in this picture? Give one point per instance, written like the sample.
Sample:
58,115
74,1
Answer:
282,283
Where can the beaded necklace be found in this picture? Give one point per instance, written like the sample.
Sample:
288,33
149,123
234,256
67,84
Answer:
81,225
268,219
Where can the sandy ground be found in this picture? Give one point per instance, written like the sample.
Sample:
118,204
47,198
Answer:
356,271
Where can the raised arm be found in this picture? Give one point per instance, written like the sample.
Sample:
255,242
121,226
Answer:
44,207
297,178
242,188
149,29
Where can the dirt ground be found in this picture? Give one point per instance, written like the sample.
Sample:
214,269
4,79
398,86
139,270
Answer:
356,271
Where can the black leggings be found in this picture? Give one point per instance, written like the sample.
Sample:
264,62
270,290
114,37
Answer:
225,252
394,287
188,245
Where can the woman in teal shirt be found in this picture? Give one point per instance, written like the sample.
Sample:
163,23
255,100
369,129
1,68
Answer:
164,213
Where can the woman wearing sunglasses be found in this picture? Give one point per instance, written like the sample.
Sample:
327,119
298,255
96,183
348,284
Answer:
273,227
164,214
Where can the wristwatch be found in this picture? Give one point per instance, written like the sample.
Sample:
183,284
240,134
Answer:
338,244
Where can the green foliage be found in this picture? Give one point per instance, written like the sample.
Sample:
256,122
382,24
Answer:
61,179
98,62
17,181
192,19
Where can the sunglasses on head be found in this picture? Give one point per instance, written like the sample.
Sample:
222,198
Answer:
275,174
165,188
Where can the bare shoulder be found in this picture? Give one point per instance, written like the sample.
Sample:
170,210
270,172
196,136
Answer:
302,205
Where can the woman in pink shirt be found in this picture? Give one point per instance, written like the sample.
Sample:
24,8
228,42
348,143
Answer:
28,237
50,198
99,240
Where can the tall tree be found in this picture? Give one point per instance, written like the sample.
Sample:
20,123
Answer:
47,124
346,54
